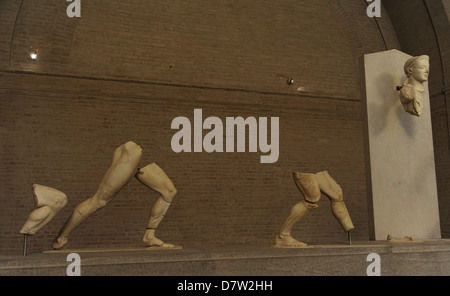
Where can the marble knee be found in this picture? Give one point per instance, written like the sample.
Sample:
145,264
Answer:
49,202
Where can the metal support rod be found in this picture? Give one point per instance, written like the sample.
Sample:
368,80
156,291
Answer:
25,244
349,238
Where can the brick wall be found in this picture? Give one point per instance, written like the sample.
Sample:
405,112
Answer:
125,69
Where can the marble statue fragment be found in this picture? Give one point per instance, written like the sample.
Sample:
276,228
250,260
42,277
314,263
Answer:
392,239
417,70
312,186
49,202
154,178
124,167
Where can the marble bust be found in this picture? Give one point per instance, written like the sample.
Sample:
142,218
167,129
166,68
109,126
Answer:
411,92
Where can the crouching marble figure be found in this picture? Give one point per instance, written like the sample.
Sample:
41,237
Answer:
312,186
124,166
417,70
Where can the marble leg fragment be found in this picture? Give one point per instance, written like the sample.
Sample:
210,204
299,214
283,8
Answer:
312,186
334,192
124,165
49,202
309,188
284,238
155,178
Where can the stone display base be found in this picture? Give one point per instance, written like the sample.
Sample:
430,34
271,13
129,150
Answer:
109,250
428,257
